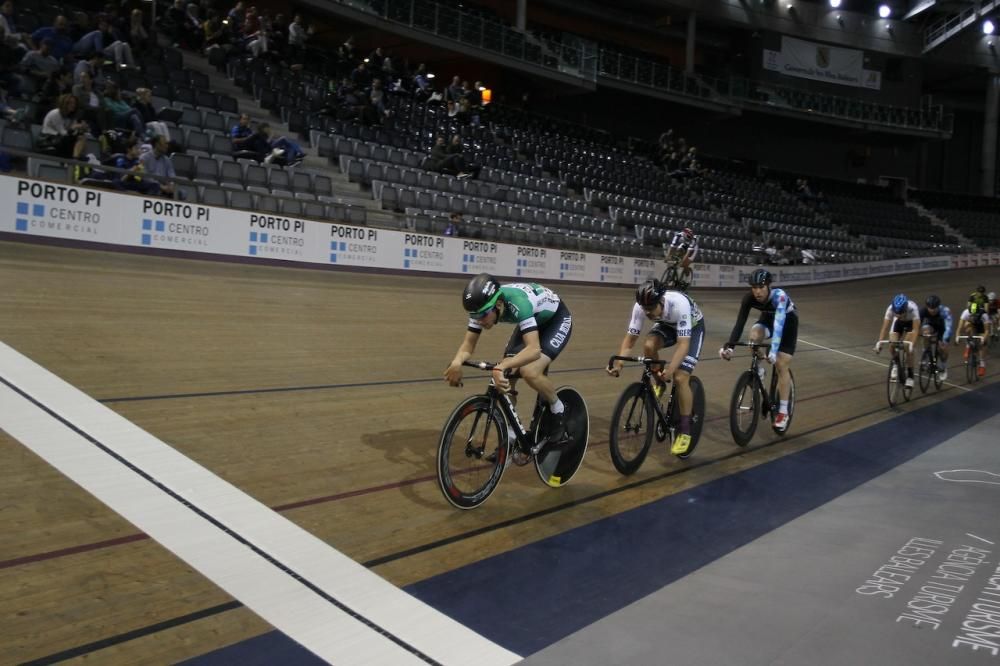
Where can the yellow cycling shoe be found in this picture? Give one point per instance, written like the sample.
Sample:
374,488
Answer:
681,445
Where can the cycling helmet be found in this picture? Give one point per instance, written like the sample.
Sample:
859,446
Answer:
933,302
481,294
759,277
981,289
899,303
992,295
688,234
649,293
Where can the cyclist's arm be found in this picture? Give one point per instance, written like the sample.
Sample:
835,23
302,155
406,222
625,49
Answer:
466,348
532,352
885,325
947,328
741,321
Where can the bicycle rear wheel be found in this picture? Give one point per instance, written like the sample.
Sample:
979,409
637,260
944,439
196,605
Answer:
472,453
894,386
928,368
697,414
631,429
744,409
556,466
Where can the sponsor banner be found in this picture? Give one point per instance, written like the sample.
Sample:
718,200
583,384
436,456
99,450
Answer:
62,211
822,62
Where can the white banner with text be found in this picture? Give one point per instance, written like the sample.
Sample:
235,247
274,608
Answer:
822,62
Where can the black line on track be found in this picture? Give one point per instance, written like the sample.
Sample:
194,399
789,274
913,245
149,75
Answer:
387,382
218,524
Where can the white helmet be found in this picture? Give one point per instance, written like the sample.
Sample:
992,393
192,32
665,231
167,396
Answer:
992,295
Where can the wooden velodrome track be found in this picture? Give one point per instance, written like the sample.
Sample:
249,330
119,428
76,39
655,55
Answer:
319,394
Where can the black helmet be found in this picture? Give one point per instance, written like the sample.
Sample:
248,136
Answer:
933,302
981,289
480,294
649,293
759,277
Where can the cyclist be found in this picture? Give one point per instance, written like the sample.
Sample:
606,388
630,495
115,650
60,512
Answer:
975,321
902,313
993,309
936,318
779,320
979,297
678,322
679,255
544,325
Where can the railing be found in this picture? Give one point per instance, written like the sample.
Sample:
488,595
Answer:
578,57
570,55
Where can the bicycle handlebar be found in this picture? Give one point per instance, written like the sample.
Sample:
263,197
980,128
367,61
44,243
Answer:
635,359
981,338
482,365
897,343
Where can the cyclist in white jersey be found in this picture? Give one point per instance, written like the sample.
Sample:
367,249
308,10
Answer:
904,316
678,322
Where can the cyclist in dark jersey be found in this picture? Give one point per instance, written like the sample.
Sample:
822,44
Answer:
544,325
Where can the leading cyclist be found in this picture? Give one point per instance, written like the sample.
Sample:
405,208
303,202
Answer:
544,325
678,321
779,320
905,318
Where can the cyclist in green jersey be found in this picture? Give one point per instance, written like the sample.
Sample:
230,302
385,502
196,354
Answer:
544,325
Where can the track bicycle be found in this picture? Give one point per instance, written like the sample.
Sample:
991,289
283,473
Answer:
896,379
929,364
751,399
972,345
484,434
632,422
676,276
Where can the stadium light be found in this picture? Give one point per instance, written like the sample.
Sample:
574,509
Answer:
835,3
884,11
988,27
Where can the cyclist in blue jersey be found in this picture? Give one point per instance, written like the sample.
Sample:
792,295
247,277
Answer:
936,317
544,325
904,316
779,320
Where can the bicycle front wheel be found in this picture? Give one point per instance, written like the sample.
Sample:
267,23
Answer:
928,368
744,409
472,452
894,382
970,368
631,429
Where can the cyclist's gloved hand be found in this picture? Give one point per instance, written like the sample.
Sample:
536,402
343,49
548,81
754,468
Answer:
878,347
772,358
615,368
725,353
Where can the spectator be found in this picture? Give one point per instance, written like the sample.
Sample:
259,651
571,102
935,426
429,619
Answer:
129,161
143,104
156,162
455,151
298,35
454,91
59,83
122,116
10,37
421,83
135,32
61,42
454,227
40,63
216,33
361,77
90,107
377,98
772,252
62,134
235,17
475,97
105,41
241,133
808,256
91,64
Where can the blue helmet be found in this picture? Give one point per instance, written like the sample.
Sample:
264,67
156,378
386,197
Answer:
899,303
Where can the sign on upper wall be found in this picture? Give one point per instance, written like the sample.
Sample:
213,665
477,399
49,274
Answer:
822,62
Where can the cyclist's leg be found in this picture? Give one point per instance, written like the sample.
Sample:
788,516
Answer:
911,356
552,338
659,338
681,378
789,338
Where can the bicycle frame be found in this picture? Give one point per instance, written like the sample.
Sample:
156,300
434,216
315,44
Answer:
647,384
523,439
771,396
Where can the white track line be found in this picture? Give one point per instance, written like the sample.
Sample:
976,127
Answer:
331,605
868,360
